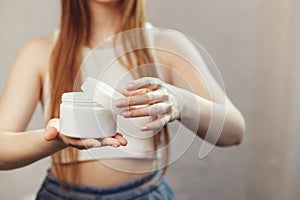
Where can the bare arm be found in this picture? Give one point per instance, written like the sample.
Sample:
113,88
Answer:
23,148
190,74
17,103
194,97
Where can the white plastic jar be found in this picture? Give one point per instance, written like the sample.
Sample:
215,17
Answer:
82,117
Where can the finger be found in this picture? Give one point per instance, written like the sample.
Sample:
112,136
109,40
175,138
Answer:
145,82
89,143
157,124
50,134
76,143
147,98
109,141
131,93
155,109
124,92
121,139
53,123
79,143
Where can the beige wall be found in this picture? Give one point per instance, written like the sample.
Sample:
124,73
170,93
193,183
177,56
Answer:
21,21
256,47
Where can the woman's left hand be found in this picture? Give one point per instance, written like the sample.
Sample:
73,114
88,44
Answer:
159,102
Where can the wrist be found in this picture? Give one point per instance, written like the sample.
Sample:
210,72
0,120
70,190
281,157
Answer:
59,143
175,100
54,143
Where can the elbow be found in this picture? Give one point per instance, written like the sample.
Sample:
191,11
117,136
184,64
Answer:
231,139
5,166
233,135
9,164
2,166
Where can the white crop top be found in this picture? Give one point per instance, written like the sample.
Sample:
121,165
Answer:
142,148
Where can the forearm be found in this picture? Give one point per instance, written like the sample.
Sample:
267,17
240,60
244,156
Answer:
217,123
21,149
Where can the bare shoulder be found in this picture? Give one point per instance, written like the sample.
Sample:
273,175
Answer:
36,53
38,48
182,61
172,44
167,35
25,77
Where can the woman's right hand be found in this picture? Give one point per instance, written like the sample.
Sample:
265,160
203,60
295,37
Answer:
52,133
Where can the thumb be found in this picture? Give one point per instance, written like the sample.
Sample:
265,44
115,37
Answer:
50,134
52,129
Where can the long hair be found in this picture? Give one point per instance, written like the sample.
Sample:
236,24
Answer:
67,57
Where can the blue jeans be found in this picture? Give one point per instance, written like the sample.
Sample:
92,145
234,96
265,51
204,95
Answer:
51,190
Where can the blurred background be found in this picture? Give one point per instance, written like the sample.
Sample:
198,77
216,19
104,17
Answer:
256,45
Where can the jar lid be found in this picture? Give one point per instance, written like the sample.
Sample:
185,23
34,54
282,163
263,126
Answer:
77,97
103,94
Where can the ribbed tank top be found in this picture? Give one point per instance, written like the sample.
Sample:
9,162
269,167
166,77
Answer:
139,148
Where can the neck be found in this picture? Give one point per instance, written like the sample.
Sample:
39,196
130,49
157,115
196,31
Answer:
105,20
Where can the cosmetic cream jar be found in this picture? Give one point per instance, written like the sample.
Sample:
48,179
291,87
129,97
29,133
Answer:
104,94
131,127
82,117
93,114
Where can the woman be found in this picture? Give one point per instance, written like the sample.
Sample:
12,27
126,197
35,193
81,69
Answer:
47,67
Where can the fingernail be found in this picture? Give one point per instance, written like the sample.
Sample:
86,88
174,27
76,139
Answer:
126,114
96,144
130,86
120,103
144,128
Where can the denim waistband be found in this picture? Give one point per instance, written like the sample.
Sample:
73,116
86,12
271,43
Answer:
53,185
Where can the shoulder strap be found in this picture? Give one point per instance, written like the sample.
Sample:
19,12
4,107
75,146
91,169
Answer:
55,35
150,32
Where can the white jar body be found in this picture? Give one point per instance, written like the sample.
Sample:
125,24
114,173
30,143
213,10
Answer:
131,127
85,119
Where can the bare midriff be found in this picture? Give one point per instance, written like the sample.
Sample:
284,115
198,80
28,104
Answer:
106,173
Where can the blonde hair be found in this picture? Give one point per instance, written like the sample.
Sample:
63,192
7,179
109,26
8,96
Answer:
73,36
